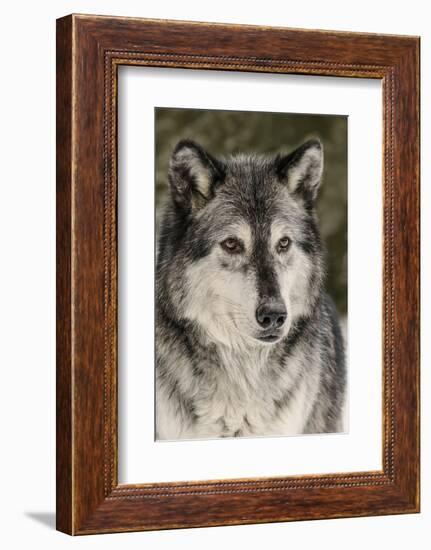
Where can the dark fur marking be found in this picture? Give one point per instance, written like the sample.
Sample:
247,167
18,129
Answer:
267,280
310,241
184,403
295,333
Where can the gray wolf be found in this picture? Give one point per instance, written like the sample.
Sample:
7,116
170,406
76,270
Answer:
248,343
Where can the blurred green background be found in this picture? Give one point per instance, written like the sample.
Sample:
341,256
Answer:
226,132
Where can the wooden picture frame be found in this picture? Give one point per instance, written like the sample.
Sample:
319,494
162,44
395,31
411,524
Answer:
89,52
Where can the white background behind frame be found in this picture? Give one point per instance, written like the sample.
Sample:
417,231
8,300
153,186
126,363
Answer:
141,459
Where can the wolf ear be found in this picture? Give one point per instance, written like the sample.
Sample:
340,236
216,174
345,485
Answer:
302,169
193,175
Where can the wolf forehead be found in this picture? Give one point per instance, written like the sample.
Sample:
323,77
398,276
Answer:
251,189
250,204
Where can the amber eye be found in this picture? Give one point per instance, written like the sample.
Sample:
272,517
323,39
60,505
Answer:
232,246
283,244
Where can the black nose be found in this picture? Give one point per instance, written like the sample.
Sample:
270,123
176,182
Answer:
271,314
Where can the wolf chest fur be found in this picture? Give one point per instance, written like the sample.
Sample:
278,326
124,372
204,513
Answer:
248,342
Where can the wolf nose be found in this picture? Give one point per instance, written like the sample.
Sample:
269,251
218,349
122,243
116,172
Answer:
271,314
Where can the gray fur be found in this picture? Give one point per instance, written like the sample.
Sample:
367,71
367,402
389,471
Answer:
240,234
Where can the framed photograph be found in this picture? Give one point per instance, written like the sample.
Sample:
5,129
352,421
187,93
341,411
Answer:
237,274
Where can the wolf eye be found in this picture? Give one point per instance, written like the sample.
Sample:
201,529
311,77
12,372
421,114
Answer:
283,244
232,246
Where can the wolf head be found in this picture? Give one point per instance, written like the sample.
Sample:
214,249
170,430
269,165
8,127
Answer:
240,254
